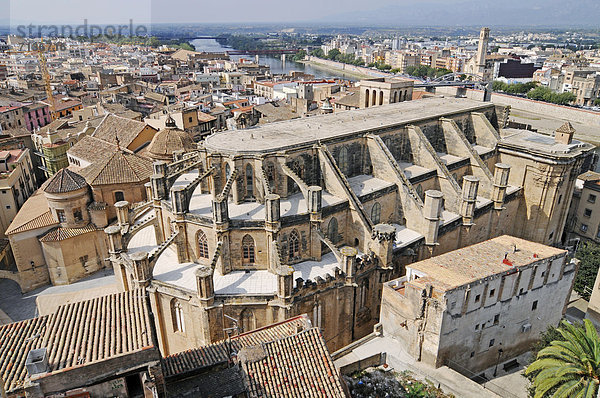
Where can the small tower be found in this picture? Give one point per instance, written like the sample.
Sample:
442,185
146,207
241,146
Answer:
501,173
326,107
432,214
484,38
383,237
469,199
564,134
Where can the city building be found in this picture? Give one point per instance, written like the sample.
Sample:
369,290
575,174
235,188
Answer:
480,65
257,364
17,183
475,306
11,116
94,348
402,59
311,215
584,213
57,235
36,115
383,91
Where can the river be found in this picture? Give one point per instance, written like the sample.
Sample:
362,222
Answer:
277,65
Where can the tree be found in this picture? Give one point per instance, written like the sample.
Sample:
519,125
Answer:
589,263
568,368
318,52
545,94
299,56
333,53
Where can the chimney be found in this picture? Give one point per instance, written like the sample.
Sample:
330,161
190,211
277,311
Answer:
564,134
36,362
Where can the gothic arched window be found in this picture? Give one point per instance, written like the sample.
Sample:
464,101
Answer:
376,213
177,316
247,250
227,171
317,314
249,181
332,230
247,320
202,245
364,293
294,245
343,160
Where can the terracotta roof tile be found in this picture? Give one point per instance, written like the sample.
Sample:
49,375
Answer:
64,181
168,140
293,366
212,354
77,334
34,214
61,233
92,149
125,129
119,168
16,340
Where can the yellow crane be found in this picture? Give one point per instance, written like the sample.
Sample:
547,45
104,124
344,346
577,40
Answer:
46,78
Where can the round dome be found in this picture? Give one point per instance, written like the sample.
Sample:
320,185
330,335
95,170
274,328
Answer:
169,140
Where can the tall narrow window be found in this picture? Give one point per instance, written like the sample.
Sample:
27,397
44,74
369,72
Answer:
202,245
376,213
270,171
317,313
227,171
247,320
294,245
364,293
380,97
343,160
248,250
332,230
249,181
366,98
177,316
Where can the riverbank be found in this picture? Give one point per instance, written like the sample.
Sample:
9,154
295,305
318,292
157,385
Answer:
357,72
345,73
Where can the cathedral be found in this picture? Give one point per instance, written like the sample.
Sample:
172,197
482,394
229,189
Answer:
310,216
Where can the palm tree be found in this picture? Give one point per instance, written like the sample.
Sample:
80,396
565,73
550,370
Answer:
568,368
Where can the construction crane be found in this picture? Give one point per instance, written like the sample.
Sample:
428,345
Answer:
46,78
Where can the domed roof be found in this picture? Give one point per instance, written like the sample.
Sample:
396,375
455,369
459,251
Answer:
169,140
64,181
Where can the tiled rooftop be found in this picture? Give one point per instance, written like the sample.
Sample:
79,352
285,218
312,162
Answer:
294,366
77,334
459,267
212,354
64,181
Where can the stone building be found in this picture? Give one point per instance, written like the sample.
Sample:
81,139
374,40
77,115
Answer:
57,236
17,183
479,65
257,364
383,91
584,213
479,305
311,215
167,140
103,347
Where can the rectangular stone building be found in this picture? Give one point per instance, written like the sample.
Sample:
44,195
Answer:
479,305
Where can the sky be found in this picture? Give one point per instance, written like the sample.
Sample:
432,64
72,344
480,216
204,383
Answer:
183,11
351,12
